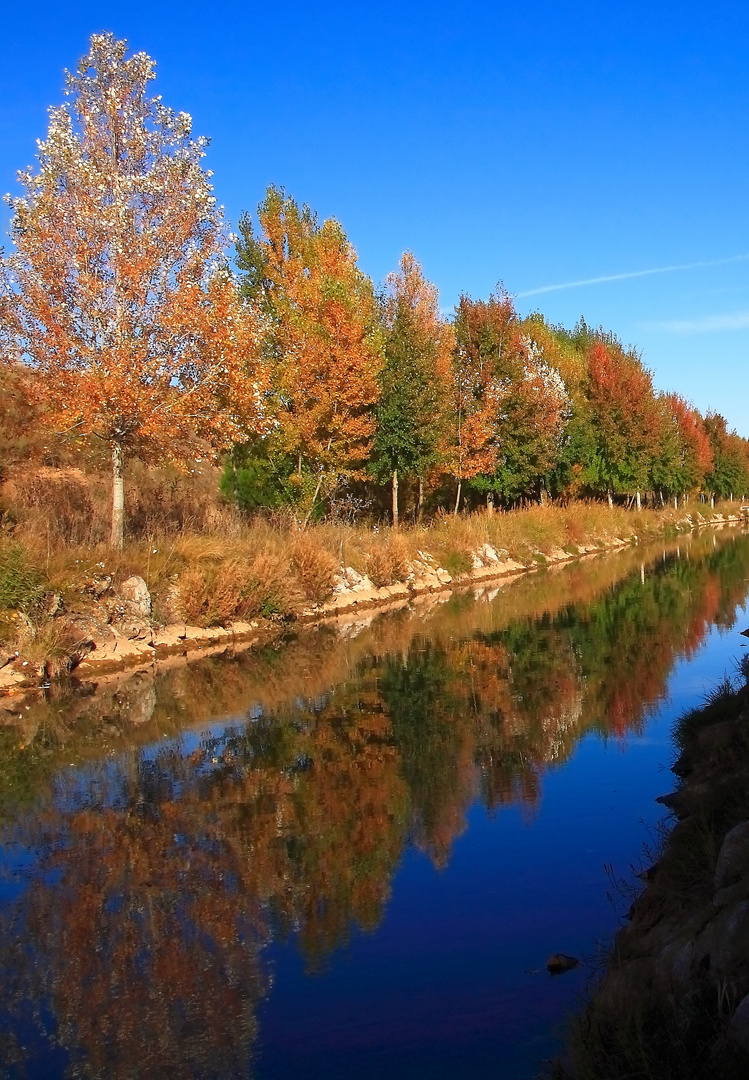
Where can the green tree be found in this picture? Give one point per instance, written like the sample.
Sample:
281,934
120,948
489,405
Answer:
417,348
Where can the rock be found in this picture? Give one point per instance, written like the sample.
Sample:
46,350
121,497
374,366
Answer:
98,586
134,629
561,962
725,941
489,554
54,607
733,859
136,596
740,1023
169,637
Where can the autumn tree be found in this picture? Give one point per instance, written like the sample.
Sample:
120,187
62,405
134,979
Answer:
484,334
117,296
684,456
625,417
729,474
418,344
529,426
324,342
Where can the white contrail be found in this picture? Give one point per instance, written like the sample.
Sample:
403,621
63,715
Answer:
630,274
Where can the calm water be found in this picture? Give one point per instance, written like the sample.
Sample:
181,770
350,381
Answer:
350,854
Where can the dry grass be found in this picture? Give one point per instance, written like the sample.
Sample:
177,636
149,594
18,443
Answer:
314,566
205,563
217,593
389,559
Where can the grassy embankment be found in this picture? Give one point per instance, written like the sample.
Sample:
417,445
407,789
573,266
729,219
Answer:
674,1001
207,565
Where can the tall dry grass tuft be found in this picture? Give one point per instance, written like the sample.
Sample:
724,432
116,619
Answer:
216,593
315,568
389,560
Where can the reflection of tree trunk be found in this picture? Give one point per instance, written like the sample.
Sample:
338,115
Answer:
611,500
457,497
490,502
395,498
118,496
420,502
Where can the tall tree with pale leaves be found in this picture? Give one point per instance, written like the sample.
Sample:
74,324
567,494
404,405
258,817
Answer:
118,297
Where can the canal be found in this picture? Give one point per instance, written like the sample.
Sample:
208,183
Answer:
349,852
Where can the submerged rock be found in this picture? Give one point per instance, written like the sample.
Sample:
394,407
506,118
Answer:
561,962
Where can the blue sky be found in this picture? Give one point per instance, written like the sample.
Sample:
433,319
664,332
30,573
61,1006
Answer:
538,144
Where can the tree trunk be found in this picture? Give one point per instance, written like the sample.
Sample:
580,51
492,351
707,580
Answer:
639,501
314,500
490,502
676,502
457,497
395,498
420,502
118,497
611,501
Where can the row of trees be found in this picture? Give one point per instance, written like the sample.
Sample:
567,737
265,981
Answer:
120,301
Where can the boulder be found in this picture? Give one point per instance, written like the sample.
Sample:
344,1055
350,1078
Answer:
137,599
733,859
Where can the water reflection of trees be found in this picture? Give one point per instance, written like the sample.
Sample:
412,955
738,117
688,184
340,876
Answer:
135,941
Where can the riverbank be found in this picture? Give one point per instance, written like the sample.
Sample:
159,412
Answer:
674,1001
95,612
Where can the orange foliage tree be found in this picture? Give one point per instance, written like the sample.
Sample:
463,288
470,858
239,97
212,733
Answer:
325,342
117,296
484,332
686,456
627,420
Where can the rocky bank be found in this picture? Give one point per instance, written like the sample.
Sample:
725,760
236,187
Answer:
674,1001
115,629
